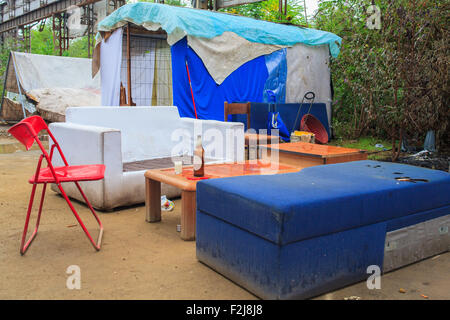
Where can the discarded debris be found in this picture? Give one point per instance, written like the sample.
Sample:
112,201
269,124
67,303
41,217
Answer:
402,290
71,225
420,155
166,204
424,296
427,159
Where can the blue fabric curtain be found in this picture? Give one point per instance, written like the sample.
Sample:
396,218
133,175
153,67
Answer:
244,84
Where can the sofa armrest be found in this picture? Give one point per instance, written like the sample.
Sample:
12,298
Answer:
84,144
221,140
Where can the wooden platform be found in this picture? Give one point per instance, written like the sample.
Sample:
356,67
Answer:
159,163
305,154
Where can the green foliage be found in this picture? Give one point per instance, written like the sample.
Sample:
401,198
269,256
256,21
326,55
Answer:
42,41
363,143
269,10
394,81
79,47
5,48
179,3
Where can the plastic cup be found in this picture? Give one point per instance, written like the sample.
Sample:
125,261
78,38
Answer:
178,167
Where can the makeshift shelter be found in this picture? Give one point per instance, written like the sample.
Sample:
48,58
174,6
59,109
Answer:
213,57
48,85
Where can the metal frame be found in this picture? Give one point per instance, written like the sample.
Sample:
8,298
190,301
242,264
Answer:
18,86
4,84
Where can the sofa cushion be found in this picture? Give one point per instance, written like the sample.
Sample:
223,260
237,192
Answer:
323,199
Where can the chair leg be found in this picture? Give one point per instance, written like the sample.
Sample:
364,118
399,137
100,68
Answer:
24,246
97,244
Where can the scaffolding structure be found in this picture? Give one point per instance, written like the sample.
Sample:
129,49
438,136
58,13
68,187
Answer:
17,17
88,18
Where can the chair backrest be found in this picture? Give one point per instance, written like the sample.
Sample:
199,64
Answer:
237,108
27,130
145,131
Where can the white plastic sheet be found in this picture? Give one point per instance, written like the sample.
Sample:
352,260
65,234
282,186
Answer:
225,53
37,71
110,61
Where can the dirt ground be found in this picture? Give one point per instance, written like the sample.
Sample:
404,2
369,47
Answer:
139,260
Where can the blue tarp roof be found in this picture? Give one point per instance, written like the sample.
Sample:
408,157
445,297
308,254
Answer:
181,21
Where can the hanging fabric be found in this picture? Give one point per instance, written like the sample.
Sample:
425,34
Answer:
244,84
110,63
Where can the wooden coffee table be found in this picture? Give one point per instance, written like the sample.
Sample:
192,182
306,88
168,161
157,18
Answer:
303,154
185,181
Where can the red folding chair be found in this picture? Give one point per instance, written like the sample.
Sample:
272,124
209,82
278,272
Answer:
26,131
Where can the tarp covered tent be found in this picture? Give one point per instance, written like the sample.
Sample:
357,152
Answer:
47,84
229,58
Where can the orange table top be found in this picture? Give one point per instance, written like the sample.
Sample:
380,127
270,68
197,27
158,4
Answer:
314,150
187,182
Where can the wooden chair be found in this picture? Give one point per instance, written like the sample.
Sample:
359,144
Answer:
237,108
251,139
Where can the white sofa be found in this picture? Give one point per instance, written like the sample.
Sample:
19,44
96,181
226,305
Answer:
118,137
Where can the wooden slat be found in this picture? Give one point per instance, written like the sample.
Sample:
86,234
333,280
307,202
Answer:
159,163
152,200
188,215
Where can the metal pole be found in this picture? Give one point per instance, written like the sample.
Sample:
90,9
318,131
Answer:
128,65
4,83
306,16
18,86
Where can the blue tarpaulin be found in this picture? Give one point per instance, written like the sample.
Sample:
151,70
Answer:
276,83
244,84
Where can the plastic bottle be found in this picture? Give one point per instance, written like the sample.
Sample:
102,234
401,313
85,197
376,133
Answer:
199,161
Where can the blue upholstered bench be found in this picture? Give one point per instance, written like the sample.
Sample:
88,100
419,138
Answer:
302,234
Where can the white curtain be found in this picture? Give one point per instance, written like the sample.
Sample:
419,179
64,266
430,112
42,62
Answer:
110,64
162,95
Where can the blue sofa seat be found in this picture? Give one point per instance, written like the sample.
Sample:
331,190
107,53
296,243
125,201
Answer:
300,234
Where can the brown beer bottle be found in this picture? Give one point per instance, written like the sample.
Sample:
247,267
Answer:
199,161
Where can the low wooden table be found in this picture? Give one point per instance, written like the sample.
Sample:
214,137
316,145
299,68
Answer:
303,154
154,177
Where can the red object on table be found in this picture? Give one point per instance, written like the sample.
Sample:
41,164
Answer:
310,123
197,178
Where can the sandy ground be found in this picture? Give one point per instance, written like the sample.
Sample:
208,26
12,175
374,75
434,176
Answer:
139,260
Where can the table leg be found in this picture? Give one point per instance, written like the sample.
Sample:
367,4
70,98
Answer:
152,200
188,214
